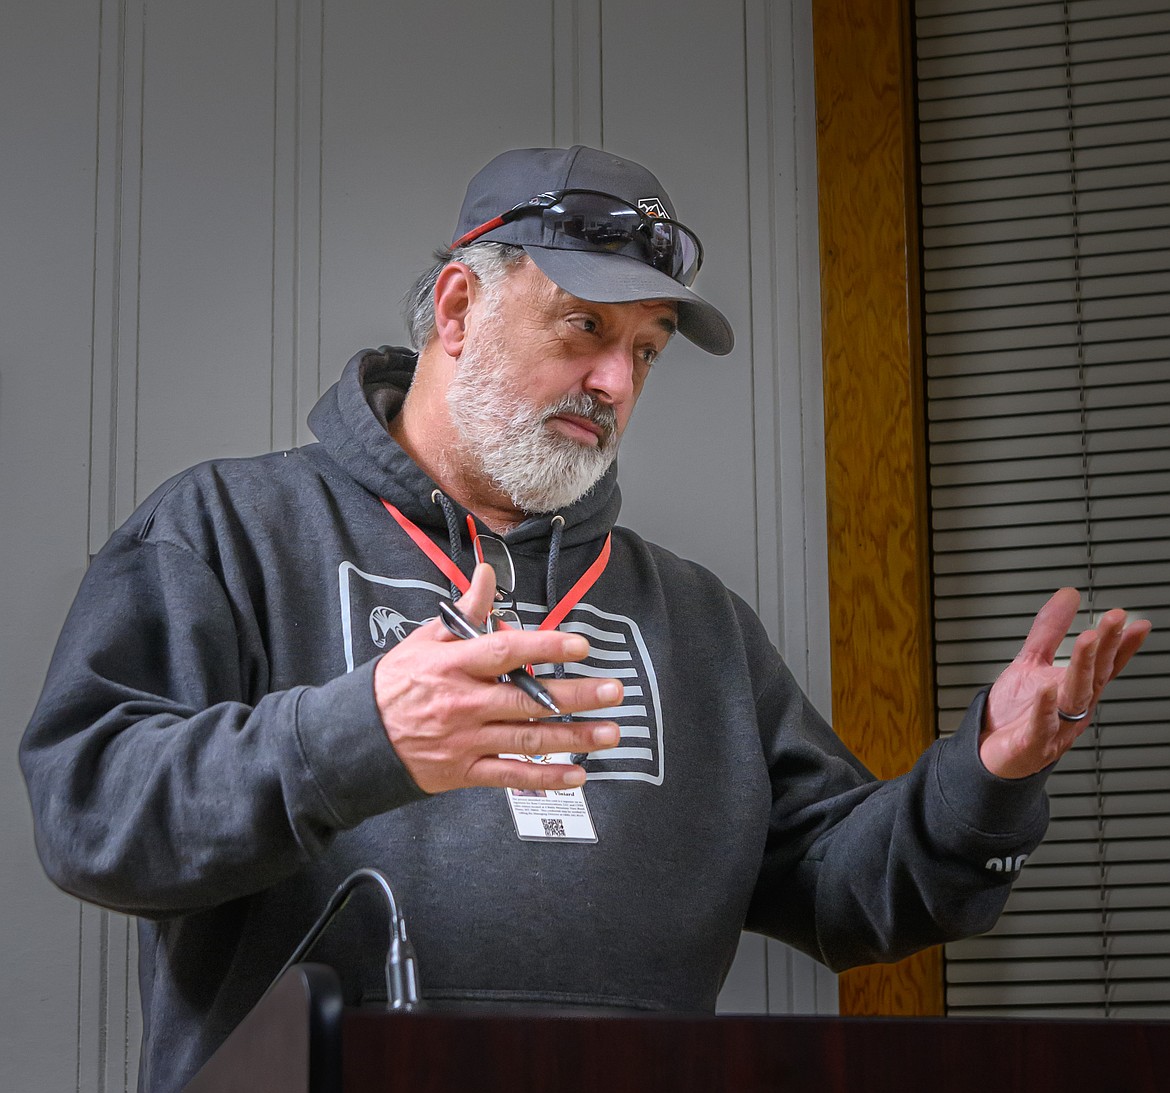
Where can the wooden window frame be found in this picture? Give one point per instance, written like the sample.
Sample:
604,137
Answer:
875,445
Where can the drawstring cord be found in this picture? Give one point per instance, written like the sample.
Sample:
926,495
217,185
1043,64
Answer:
456,545
551,595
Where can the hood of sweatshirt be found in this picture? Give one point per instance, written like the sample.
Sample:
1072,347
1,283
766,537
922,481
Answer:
351,420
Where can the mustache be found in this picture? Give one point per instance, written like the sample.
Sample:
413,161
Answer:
593,410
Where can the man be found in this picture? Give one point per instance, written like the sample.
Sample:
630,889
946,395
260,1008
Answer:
252,696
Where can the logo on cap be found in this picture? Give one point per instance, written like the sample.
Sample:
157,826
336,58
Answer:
652,206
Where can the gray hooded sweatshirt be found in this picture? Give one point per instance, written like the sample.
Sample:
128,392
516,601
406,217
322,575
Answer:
207,755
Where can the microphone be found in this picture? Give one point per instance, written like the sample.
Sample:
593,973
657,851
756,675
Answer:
402,990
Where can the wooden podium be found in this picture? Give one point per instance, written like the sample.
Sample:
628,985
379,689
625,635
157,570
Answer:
300,1039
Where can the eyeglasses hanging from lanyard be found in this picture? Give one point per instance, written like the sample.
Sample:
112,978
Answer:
607,224
495,552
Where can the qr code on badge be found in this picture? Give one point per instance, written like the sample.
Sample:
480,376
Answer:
553,829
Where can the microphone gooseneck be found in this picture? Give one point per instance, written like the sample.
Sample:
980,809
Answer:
402,989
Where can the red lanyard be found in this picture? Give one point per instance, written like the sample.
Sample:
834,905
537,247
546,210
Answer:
455,575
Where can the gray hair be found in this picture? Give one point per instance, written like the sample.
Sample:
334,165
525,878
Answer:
489,261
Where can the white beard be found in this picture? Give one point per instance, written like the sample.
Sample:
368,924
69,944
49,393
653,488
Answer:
509,440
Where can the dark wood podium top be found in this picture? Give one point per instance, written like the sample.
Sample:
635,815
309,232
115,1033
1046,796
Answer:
300,1039
437,1053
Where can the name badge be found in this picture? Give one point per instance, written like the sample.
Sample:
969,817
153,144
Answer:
550,815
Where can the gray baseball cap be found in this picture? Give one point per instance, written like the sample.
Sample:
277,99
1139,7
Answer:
577,265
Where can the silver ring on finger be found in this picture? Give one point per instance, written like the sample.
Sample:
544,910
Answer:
1072,717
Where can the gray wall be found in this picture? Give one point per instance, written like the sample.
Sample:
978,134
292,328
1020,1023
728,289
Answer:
207,208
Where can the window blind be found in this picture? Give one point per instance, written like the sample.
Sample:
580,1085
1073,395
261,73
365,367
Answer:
1044,132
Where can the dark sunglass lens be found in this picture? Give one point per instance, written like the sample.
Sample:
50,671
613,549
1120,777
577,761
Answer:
675,250
610,224
689,256
602,222
662,247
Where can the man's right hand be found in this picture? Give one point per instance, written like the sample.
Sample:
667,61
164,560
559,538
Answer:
450,719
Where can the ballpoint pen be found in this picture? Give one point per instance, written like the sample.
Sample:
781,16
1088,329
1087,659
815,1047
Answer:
462,627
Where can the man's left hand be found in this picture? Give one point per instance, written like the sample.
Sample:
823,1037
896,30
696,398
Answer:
1022,731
